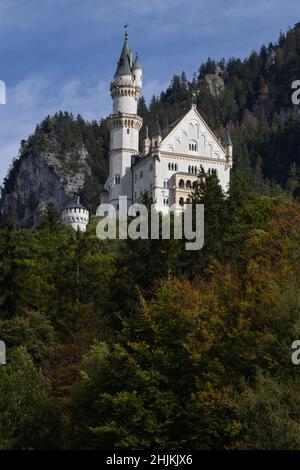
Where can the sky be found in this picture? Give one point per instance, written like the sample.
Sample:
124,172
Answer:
62,54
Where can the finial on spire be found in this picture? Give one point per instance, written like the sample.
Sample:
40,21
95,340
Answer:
194,100
126,31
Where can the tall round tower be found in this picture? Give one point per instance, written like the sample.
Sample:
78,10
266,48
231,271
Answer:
124,124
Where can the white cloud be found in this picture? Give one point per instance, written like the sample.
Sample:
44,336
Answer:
32,99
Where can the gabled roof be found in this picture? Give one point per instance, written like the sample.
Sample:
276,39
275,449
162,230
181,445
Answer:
176,126
171,126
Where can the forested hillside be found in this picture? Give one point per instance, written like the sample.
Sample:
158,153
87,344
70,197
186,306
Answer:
252,97
140,344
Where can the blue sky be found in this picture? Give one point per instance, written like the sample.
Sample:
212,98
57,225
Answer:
61,54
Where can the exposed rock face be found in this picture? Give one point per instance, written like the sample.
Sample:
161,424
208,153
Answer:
65,156
215,83
43,178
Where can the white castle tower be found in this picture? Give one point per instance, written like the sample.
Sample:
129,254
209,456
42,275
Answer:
74,214
124,125
168,166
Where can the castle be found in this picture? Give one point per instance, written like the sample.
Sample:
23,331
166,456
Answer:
171,158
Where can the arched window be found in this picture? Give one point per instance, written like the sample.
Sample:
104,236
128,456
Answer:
188,184
181,201
188,200
181,183
189,168
169,166
176,167
193,147
165,185
128,130
194,184
117,179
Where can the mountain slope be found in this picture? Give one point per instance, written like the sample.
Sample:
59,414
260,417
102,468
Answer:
253,97
65,156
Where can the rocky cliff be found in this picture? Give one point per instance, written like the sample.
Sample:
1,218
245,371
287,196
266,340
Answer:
65,156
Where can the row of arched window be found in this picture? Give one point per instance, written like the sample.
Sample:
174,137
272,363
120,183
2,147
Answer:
166,202
122,92
173,166
166,184
193,147
117,179
75,219
121,122
193,169
77,209
181,201
187,184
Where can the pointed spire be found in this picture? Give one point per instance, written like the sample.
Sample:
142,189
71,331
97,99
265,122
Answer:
227,139
126,31
124,64
156,130
137,64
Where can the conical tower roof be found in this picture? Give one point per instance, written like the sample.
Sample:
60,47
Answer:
137,64
227,139
124,64
156,130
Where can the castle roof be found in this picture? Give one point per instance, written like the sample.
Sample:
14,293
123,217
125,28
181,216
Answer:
71,204
156,130
226,140
124,64
136,64
171,126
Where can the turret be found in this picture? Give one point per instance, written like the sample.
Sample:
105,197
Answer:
137,72
147,142
227,144
156,134
124,123
74,214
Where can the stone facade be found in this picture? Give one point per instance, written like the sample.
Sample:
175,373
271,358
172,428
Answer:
169,157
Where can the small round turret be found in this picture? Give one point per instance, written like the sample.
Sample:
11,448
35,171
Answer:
76,215
137,72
